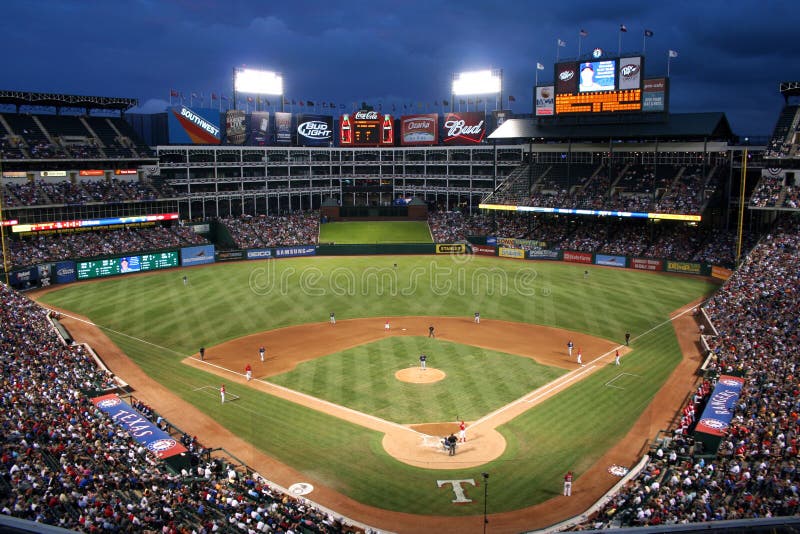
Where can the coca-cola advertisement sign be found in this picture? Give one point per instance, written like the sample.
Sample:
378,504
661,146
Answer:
419,129
464,128
366,128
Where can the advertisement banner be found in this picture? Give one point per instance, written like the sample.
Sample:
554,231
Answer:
259,253
491,240
230,255
646,264
92,172
288,252
629,73
482,250
235,127
366,128
155,440
654,95
500,116
53,174
464,128
259,128
545,101
544,254
521,243
455,248
609,260
194,126
577,257
125,172
505,252
65,272
314,130
23,276
197,255
419,129
721,272
717,416
566,78
283,128
683,267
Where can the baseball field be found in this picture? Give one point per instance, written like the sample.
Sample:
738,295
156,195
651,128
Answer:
529,311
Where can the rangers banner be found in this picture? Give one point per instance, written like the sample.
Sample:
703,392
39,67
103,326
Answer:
717,416
419,129
314,130
138,426
464,128
190,126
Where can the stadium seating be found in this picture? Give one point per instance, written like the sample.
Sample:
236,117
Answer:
270,231
42,193
782,144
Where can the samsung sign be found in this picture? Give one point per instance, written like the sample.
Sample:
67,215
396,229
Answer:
314,130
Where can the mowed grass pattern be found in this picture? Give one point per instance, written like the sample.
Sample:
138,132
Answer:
477,380
157,322
350,233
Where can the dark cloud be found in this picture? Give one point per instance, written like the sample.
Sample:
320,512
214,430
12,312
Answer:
731,55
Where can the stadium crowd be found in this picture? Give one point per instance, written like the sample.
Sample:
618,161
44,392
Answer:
64,463
301,228
86,244
41,193
754,474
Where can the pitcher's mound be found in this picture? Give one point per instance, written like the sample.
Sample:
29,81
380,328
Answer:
415,375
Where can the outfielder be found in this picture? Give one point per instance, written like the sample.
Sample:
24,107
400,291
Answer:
333,318
568,484
462,432
248,371
222,393
477,317
570,345
422,361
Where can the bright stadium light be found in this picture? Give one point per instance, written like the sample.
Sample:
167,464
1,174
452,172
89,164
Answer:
479,82
260,82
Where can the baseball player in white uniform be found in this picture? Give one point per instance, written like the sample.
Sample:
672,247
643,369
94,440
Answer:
222,393
333,318
422,361
386,326
580,356
261,352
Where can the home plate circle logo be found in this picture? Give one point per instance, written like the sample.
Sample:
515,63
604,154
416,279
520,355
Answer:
618,470
108,403
301,488
161,445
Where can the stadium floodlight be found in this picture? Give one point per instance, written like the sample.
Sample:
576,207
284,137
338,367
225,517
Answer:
260,82
480,82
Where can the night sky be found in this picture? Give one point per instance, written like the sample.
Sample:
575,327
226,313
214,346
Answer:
731,55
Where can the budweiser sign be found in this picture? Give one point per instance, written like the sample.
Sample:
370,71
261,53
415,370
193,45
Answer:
464,128
366,115
419,129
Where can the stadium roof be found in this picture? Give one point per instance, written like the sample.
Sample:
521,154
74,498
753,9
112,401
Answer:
790,89
678,127
55,100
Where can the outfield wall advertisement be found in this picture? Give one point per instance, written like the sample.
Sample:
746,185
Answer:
505,252
609,260
686,267
65,272
483,250
259,254
646,264
197,255
543,254
455,248
577,257
155,440
290,252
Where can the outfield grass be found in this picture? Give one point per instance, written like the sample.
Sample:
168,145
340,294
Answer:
369,232
568,432
478,381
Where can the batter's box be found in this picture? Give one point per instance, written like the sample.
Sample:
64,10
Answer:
610,383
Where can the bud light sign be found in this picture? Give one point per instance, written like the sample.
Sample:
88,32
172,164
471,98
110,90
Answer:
467,128
314,130
65,272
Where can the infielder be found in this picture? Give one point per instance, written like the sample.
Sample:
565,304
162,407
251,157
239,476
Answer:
570,345
386,326
333,318
616,357
422,361
477,317
248,371
261,352
430,332
462,432
568,484
202,353
222,393
580,356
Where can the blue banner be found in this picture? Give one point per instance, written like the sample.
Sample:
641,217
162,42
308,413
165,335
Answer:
65,272
717,416
197,255
30,274
491,240
611,261
138,426
259,253
314,130
288,252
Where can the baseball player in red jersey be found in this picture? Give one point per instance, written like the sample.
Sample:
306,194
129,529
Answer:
616,357
222,393
248,371
462,432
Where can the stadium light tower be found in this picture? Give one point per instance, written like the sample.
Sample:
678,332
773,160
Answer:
258,82
479,82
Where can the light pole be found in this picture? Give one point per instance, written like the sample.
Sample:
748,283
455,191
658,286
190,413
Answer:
485,499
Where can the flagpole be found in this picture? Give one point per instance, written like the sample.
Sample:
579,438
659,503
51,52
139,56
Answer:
644,42
619,43
557,47
669,58
580,41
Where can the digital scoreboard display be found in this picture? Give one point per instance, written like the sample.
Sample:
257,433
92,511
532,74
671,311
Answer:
600,85
366,128
126,264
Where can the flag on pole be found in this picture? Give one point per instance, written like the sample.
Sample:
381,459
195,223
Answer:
445,102
562,43
511,98
539,66
622,28
173,92
648,33
194,95
223,97
214,96
673,53
250,99
583,33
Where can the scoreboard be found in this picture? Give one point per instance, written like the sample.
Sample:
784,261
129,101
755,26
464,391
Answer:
126,264
366,128
605,102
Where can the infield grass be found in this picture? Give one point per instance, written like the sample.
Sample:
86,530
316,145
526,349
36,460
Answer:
157,321
477,380
368,232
